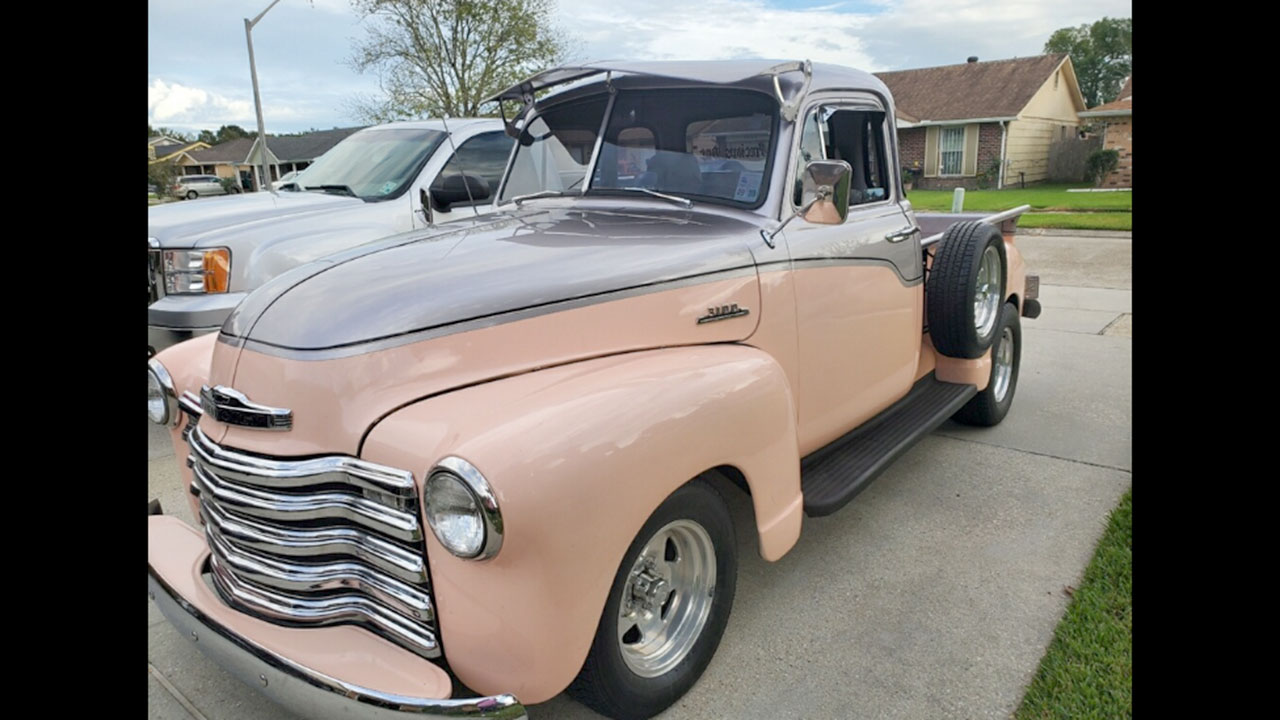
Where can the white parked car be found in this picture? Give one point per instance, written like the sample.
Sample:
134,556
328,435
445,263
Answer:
194,186
204,258
289,179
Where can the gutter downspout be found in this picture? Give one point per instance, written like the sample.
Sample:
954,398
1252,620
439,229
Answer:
1004,137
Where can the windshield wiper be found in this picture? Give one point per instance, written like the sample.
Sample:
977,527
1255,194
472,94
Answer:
529,196
687,203
344,189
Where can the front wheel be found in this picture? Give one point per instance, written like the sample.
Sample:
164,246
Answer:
989,407
667,609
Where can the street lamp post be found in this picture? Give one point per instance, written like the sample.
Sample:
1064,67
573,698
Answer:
257,99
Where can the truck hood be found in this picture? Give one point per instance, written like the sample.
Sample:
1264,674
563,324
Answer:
498,268
210,221
345,340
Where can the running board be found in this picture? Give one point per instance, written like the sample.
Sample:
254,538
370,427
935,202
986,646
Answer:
831,476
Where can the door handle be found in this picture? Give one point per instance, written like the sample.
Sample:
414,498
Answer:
900,235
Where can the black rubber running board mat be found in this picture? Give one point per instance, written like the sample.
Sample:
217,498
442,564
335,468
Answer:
832,476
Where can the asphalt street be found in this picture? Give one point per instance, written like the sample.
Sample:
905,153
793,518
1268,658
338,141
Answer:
933,594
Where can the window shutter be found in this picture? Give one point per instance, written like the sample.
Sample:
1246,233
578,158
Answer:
931,151
971,150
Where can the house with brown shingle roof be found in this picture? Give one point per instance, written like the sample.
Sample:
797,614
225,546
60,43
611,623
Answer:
984,123
285,153
1116,118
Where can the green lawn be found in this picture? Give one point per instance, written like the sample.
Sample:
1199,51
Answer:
1087,671
1040,197
1078,221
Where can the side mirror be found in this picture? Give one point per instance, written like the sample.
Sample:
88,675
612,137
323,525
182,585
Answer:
825,192
460,189
425,201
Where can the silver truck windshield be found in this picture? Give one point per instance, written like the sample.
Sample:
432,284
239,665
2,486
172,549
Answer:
704,144
377,164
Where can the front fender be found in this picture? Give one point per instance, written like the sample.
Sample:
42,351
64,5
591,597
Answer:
579,456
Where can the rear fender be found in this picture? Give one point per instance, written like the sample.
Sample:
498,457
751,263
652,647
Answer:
579,457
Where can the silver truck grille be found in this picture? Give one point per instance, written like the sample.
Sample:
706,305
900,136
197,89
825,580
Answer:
323,541
155,281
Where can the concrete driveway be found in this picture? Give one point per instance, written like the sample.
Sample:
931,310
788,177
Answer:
933,594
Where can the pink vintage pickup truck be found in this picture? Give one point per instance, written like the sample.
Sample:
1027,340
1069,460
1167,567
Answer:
487,461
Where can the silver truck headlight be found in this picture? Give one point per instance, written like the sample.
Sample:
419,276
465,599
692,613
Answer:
162,397
462,510
196,271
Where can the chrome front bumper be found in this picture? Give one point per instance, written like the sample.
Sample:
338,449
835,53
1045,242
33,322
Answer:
308,692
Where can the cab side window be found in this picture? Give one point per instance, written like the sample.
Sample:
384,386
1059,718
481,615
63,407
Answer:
483,156
856,136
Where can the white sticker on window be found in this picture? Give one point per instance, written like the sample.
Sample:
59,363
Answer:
748,187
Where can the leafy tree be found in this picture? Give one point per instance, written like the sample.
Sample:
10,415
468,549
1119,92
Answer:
443,57
207,136
176,135
1102,54
162,175
231,132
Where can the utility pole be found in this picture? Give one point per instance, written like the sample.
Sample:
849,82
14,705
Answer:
257,99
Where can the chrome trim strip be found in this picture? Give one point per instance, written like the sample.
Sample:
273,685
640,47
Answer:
170,392
995,219
484,496
303,690
382,554
231,406
190,404
292,577
323,505
271,473
499,318
333,610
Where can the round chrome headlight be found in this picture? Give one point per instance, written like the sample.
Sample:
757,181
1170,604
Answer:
462,510
162,399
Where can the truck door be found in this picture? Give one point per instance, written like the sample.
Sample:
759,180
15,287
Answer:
858,284
482,157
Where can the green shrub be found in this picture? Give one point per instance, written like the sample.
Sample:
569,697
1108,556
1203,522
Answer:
162,175
1100,164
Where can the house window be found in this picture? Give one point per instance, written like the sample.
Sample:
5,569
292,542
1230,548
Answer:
951,150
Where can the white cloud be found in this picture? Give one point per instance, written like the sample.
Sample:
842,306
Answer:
182,106
875,35
711,30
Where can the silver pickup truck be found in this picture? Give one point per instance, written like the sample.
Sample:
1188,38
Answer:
205,256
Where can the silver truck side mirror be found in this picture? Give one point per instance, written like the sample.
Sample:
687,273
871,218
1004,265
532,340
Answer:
825,191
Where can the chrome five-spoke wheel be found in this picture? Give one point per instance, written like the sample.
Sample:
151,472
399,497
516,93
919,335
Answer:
667,598
1003,359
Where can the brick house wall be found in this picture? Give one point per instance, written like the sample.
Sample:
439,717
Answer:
1119,137
911,155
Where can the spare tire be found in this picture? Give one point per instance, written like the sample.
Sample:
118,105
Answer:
966,289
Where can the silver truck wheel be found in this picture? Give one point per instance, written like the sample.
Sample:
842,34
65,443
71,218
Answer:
667,598
666,610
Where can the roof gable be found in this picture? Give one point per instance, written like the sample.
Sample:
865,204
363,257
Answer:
992,89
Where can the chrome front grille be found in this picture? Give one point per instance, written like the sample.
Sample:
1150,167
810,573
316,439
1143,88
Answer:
322,541
155,281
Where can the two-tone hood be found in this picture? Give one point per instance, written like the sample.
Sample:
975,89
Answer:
497,269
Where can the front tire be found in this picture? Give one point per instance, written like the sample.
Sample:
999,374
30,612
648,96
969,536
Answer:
667,609
989,407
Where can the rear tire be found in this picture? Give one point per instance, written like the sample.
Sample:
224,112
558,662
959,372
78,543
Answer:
192,194
989,407
966,289
627,674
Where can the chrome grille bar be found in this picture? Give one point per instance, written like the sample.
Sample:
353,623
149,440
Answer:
316,541
382,554
344,609
302,578
314,506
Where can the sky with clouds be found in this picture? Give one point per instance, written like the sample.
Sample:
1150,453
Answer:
198,66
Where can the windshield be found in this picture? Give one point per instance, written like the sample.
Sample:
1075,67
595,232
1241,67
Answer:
372,164
703,144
